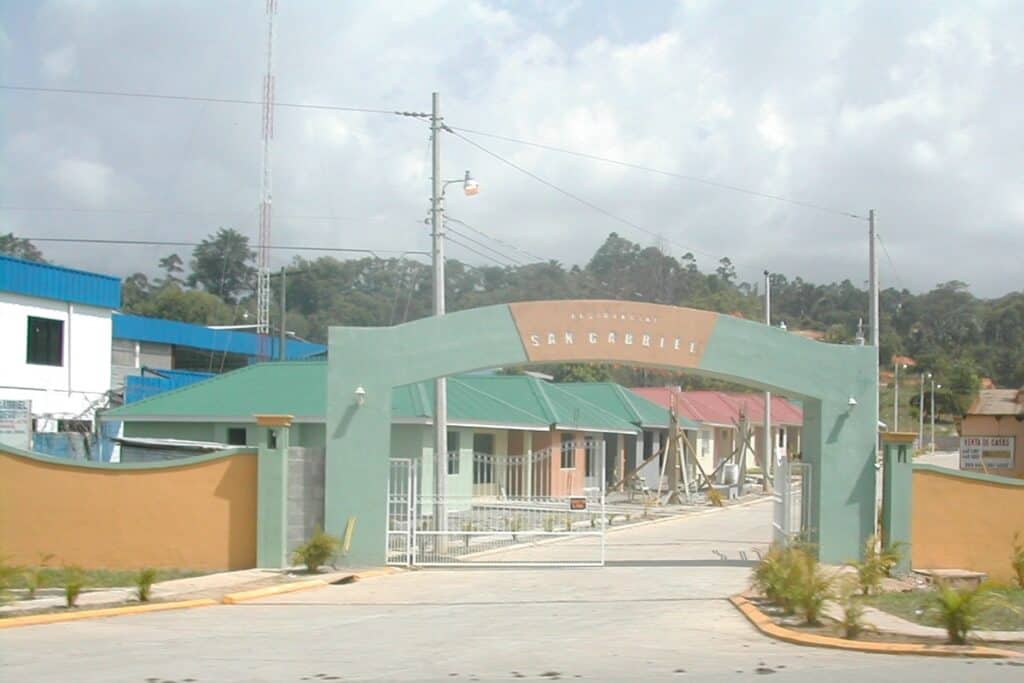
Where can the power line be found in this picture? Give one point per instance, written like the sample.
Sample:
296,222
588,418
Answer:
495,239
168,243
172,212
478,253
483,246
573,196
892,264
671,174
193,98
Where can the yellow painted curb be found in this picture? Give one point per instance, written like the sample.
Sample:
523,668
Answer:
763,623
242,596
55,617
371,573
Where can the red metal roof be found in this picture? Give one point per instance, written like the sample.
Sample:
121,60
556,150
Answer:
724,407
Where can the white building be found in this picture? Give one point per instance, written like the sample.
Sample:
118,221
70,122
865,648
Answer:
56,348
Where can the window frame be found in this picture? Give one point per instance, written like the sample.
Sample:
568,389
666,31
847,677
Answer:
234,431
568,453
58,339
454,466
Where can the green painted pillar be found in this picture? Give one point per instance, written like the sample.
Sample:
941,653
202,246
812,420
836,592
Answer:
897,485
272,491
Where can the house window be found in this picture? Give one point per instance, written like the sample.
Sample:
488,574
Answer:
568,451
483,458
79,426
45,341
591,454
453,452
236,436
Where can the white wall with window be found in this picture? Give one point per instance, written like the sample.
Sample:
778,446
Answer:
56,354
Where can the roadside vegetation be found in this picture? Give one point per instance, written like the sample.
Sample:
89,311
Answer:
55,577
987,608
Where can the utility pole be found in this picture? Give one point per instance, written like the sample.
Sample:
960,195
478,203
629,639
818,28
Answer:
281,355
440,384
873,293
920,412
933,412
896,397
769,442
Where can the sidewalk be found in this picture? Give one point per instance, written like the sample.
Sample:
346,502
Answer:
213,586
892,624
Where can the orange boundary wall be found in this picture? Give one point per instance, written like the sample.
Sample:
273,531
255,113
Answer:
194,513
964,520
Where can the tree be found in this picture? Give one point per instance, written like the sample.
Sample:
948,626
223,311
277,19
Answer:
20,248
581,372
221,264
172,267
190,306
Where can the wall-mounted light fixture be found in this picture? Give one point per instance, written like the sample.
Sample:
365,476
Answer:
852,403
360,395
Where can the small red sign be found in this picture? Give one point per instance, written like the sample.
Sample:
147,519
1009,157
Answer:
577,503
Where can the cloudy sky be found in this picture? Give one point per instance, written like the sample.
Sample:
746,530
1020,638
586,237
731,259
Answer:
913,109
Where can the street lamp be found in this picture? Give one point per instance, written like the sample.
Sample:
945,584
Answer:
896,397
920,411
934,387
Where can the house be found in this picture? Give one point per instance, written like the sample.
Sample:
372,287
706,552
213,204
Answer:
55,364
992,431
719,413
508,434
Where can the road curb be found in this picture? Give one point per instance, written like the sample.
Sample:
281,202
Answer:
267,591
57,617
765,625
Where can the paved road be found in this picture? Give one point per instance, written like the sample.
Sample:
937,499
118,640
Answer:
656,612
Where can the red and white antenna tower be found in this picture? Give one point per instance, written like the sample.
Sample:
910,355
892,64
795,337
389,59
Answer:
266,196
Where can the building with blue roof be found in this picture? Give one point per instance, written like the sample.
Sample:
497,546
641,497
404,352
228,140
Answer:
55,362
69,353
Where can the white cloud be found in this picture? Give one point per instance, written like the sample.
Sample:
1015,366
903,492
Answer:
58,64
81,181
910,111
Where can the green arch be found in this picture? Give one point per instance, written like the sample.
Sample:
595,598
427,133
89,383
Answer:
839,440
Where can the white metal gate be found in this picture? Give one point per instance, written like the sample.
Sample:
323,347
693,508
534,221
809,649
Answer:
792,502
545,508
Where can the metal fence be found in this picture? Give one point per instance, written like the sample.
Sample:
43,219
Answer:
545,508
792,502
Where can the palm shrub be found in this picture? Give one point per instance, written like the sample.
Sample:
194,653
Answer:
317,551
33,576
7,573
769,577
852,623
958,609
1017,559
808,585
876,565
74,581
144,584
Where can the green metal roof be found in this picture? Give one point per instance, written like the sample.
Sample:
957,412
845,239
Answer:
299,388
296,388
626,404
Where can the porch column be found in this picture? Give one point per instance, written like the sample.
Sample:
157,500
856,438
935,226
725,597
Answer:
897,485
272,491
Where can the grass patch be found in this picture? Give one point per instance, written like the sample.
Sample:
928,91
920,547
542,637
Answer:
54,577
1006,615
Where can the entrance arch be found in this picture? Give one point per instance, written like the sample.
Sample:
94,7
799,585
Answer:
839,434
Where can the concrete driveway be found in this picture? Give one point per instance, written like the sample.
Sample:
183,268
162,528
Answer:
656,612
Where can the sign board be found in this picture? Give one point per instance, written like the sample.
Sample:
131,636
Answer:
986,452
16,424
577,503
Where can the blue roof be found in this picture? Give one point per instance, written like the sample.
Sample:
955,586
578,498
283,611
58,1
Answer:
159,331
56,282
